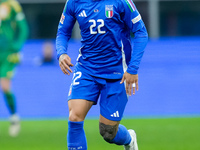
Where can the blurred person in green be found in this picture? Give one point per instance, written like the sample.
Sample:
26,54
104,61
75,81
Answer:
13,33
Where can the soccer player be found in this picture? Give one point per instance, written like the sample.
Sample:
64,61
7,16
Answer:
13,33
100,70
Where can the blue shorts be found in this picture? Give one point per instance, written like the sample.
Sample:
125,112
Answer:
110,92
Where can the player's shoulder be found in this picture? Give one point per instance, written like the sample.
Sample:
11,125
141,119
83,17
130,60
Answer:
121,1
73,4
15,5
126,1
128,5
81,1
123,4
76,1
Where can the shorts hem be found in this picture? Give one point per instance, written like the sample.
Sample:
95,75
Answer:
94,103
112,118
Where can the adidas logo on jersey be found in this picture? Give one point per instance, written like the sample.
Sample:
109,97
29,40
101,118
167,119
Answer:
116,114
82,14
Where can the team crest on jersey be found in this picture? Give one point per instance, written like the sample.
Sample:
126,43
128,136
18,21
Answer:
109,11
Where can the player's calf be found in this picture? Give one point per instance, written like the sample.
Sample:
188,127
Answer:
117,134
76,138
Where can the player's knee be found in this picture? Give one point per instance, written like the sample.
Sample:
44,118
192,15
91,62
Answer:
108,132
75,117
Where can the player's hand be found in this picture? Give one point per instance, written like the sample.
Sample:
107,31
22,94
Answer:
14,58
65,64
131,82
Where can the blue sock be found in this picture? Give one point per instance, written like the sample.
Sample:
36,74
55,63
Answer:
76,139
122,137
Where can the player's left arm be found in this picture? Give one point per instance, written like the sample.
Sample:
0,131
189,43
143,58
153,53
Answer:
21,26
133,20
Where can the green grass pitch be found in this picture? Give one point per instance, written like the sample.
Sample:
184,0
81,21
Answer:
152,134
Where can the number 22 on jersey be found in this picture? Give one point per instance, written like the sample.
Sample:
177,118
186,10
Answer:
94,24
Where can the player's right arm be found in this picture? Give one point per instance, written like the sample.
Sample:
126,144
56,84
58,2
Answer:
65,27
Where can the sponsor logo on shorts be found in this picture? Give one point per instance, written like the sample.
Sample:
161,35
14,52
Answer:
116,114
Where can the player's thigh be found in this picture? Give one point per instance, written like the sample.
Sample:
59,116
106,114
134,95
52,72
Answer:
78,109
84,87
5,84
83,93
113,100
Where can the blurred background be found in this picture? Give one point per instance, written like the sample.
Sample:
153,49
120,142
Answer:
162,17
169,75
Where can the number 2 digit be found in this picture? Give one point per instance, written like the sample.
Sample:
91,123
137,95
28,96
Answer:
79,74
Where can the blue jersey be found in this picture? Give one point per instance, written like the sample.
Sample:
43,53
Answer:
127,47
101,23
